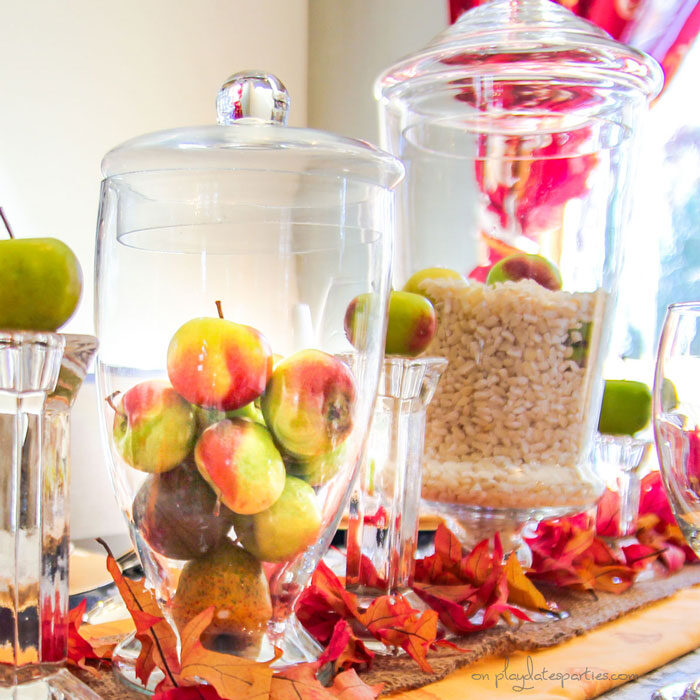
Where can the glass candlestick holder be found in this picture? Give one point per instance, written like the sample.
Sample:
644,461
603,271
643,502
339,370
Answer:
619,459
40,374
384,509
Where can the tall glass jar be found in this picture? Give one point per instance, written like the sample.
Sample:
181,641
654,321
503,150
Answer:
516,127
226,258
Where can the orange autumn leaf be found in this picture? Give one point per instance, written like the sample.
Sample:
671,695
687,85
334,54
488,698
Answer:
521,590
349,686
158,641
300,683
394,622
231,676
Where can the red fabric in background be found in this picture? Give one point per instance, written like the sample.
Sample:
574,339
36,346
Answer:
623,19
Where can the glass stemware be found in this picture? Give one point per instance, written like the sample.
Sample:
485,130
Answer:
676,415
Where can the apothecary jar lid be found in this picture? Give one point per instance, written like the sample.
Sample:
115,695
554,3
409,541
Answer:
533,44
252,134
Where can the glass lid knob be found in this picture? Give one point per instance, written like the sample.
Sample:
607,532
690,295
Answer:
252,96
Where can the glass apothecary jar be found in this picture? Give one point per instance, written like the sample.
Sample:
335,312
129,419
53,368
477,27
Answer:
226,258
517,128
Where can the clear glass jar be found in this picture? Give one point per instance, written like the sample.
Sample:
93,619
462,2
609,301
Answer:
516,127
230,471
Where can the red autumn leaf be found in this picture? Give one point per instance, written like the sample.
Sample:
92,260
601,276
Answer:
345,650
607,518
323,603
637,555
477,566
79,649
188,692
158,641
232,677
447,546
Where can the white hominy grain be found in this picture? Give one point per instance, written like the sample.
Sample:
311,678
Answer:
506,426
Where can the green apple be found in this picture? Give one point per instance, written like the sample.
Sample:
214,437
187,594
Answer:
290,525
414,283
40,283
626,407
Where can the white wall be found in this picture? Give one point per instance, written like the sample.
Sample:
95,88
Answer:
350,43
80,76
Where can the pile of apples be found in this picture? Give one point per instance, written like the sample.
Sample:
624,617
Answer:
230,442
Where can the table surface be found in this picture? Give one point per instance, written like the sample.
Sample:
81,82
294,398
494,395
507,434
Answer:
683,670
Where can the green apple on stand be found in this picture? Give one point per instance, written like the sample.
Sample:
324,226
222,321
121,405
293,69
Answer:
41,282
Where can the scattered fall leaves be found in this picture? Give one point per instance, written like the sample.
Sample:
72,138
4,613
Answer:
466,591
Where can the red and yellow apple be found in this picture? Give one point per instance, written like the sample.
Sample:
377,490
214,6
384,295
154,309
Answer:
241,463
316,471
286,528
411,322
154,427
520,266
208,416
308,403
216,363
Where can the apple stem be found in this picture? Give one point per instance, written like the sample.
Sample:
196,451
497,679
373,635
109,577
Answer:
7,223
112,405
219,308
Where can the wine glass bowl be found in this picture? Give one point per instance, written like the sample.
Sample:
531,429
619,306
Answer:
676,419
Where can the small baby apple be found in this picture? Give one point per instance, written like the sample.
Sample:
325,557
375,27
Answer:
153,427
285,529
308,403
239,460
415,282
216,363
522,266
178,514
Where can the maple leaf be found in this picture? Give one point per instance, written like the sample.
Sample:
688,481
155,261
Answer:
79,649
477,566
345,650
188,692
349,686
300,683
607,519
231,676
158,641
521,590
393,621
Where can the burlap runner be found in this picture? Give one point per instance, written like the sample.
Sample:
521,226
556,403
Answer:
586,612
